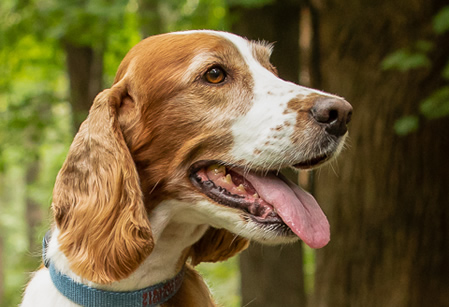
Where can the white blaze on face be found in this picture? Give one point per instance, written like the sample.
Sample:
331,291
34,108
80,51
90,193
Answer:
262,136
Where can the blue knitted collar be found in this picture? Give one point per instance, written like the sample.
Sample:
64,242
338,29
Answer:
90,297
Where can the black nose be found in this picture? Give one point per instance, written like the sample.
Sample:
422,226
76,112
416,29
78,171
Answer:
333,113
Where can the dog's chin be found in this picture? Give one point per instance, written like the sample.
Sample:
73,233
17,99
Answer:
269,234
326,154
313,163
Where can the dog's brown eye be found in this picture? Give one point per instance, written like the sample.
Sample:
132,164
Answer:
215,75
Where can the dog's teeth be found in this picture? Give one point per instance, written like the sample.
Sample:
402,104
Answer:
217,169
228,179
241,188
256,195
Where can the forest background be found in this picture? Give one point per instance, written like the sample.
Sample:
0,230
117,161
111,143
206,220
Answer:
386,197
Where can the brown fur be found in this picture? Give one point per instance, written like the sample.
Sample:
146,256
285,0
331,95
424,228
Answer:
193,292
133,152
97,201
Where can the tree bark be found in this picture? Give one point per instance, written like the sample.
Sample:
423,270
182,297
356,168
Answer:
273,275
388,204
277,23
85,68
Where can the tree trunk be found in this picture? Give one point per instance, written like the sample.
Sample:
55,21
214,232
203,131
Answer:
277,23
33,213
85,68
273,275
388,205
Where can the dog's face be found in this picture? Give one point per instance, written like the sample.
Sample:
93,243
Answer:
216,119
208,126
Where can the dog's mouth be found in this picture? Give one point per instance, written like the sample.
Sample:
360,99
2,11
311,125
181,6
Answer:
268,198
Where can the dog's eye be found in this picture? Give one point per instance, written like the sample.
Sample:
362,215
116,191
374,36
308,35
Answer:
215,75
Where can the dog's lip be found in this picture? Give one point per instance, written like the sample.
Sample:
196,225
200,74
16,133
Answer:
312,162
195,167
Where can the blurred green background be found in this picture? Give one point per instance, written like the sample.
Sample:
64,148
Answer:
356,49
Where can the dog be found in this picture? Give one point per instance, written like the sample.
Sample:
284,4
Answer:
178,163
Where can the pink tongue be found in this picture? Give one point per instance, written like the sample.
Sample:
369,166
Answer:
297,208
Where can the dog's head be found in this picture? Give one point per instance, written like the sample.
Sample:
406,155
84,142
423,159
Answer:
200,121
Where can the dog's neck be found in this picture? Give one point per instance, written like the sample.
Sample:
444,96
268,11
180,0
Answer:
171,240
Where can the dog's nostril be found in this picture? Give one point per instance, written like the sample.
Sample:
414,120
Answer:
333,113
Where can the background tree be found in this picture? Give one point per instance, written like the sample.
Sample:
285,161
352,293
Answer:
388,204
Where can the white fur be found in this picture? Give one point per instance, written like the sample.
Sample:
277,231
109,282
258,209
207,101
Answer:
263,134
206,212
161,263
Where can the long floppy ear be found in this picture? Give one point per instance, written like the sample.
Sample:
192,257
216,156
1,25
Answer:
97,199
217,245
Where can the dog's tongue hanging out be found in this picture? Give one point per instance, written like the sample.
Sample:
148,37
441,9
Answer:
297,208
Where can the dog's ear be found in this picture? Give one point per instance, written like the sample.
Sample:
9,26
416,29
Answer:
217,245
97,200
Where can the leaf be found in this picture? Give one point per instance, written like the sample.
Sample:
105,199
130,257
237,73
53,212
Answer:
441,21
249,3
445,72
437,104
406,125
424,45
405,60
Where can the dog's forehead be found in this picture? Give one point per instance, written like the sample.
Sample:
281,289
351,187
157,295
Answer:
168,62
249,50
181,50
224,48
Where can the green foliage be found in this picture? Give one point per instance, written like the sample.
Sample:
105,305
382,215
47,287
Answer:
33,129
250,3
309,269
406,125
193,14
441,21
119,42
223,280
445,73
405,60
435,105
82,22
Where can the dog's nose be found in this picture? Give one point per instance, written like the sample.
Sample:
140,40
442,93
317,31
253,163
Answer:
334,113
